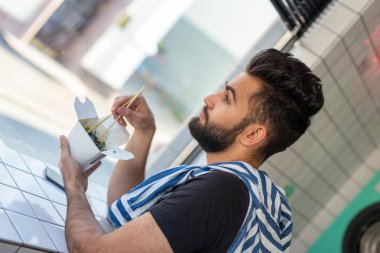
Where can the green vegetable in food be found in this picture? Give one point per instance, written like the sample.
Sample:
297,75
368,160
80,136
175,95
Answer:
93,135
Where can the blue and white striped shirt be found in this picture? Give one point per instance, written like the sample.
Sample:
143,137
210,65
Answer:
267,225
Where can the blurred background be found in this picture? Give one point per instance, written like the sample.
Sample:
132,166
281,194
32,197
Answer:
52,51
55,50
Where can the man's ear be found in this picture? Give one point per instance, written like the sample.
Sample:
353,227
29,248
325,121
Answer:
253,134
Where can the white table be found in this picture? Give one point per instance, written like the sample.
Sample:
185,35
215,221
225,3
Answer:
33,210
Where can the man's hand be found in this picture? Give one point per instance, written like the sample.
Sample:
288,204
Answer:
128,174
138,114
73,174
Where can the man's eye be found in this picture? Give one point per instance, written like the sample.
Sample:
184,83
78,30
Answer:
226,98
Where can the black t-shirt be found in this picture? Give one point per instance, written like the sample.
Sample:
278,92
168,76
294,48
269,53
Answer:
204,214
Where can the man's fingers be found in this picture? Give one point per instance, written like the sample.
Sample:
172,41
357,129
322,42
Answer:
122,122
119,101
124,112
64,144
128,113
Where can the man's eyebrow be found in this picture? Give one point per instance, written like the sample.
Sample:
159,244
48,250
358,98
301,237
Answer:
229,88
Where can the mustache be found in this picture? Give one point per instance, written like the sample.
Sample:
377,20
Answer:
205,108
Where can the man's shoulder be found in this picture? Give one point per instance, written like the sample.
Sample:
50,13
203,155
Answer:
218,180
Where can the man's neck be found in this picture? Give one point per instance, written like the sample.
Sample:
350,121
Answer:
229,157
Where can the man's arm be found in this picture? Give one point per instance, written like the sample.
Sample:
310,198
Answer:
128,174
83,232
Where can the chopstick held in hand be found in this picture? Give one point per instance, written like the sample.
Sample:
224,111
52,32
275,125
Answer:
126,105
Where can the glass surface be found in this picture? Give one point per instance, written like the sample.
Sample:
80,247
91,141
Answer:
55,50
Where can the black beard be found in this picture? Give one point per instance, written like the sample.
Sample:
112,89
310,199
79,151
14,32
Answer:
213,137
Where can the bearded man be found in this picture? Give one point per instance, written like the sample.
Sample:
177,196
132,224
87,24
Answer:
228,205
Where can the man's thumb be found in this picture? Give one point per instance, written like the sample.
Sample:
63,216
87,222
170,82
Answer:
131,114
64,144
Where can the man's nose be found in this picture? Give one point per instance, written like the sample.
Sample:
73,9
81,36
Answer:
209,101
212,99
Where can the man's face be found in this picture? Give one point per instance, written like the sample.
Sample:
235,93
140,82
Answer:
225,114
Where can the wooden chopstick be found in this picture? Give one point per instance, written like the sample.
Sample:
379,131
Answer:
98,124
126,105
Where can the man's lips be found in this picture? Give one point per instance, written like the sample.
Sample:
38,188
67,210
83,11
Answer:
203,113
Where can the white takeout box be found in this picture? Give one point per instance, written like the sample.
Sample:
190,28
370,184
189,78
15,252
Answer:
82,147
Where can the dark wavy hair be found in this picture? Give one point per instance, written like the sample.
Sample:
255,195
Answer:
291,94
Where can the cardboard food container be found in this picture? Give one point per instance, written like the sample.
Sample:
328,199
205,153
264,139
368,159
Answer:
83,148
